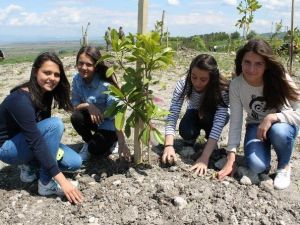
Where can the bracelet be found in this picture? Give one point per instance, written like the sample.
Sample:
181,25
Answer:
168,146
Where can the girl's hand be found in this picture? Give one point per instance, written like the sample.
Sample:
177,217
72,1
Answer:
265,125
228,169
72,193
200,167
169,155
124,152
96,114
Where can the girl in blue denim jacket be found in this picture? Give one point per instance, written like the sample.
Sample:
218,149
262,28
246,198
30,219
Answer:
90,101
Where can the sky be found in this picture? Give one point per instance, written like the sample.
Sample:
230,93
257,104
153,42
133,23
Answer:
35,20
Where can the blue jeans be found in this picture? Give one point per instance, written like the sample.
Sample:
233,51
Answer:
190,125
258,153
16,150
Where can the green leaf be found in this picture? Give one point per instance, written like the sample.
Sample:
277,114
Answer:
105,57
120,118
127,130
145,135
111,110
110,71
116,91
158,136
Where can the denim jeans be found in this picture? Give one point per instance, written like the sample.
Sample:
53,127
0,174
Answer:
16,150
190,125
258,153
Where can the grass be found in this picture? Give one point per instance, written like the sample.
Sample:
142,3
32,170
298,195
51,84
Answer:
27,52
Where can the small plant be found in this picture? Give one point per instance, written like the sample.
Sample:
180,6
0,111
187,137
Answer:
247,8
137,57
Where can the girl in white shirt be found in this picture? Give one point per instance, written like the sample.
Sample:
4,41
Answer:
272,103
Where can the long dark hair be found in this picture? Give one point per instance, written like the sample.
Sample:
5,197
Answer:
61,93
217,83
277,88
100,67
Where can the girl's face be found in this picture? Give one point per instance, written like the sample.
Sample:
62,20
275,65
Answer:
48,76
199,78
86,68
253,67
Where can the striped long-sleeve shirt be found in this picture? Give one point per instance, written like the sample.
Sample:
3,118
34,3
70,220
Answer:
194,102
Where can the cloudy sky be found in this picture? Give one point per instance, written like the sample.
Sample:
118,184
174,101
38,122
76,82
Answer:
33,20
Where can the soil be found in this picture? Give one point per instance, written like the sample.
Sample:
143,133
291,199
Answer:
116,192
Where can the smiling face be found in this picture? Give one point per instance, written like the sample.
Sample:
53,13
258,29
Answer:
48,76
199,79
86,68
253,67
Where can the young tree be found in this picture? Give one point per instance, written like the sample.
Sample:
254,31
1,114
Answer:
247,8
135,95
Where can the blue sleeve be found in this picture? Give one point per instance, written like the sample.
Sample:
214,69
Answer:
22,111
76,95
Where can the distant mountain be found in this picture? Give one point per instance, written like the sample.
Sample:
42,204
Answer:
268,35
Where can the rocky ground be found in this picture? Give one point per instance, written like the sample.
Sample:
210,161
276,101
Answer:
119,193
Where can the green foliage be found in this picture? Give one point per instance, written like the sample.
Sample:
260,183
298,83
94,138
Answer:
199,43
235,35
247,8
296,39
135,96
252,34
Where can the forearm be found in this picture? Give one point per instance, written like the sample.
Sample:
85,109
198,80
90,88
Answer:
209,148
169,139
121,137
60,178
81,106
230,158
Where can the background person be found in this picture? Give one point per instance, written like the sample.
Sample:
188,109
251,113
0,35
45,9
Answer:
121,33
107,38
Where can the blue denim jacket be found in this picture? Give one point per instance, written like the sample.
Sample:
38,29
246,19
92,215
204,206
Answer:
93,93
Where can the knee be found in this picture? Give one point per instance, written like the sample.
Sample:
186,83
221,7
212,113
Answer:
75,163
282,133
57,124
255,164
187,134
76,115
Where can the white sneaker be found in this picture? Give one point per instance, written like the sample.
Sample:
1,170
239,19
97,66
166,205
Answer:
28,173
53,188
282,179
114,149
84,152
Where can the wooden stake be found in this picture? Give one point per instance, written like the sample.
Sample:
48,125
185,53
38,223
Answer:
142,28
292,39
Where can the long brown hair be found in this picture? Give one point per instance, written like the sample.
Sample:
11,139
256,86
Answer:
217,83
60,94
277,89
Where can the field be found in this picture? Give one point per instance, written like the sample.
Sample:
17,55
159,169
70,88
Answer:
119,193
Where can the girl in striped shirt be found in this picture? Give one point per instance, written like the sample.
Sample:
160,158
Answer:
206,92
